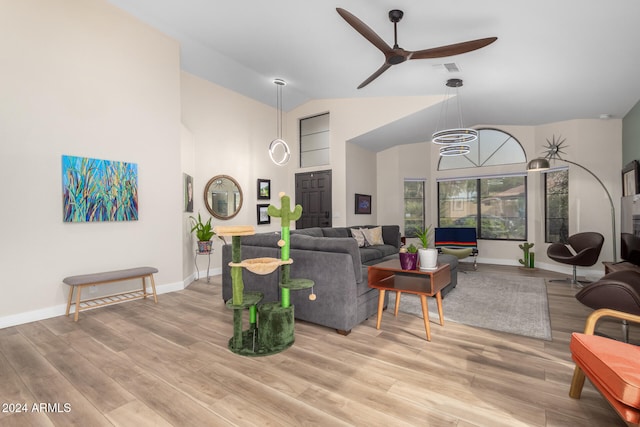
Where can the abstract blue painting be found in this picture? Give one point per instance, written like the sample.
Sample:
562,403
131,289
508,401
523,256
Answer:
99,190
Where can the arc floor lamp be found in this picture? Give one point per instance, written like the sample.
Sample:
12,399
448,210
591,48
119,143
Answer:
554,152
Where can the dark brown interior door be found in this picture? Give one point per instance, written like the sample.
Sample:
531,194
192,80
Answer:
313,193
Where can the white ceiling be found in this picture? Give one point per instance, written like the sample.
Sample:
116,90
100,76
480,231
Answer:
553,60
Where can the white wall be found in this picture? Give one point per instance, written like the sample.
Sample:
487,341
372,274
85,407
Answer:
394,166
83,78
361,179
230,134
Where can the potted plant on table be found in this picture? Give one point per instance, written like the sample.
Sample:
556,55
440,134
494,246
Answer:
409,257
428,256
204,233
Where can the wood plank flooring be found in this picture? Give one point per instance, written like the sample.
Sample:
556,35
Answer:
141,364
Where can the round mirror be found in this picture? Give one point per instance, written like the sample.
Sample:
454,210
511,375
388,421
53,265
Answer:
223,197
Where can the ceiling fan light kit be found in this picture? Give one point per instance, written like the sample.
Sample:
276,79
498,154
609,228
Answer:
279,149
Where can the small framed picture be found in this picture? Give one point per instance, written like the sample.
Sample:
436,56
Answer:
263,216
264,189
188,193
363,204
630,179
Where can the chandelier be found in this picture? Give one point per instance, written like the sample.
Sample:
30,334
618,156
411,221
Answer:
455,141
278,149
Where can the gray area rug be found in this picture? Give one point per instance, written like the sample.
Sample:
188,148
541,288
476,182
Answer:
513,304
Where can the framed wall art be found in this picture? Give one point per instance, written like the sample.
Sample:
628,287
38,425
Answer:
264,189
263,216
363,204
188,193
630,179
99,190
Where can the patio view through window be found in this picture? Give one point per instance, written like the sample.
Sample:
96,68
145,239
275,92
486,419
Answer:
556,186
413,206
495,206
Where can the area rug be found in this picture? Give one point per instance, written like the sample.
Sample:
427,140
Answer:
513,304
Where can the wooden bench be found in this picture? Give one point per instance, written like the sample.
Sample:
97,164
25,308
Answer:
82,281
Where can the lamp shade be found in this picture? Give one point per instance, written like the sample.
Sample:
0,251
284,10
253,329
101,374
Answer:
538,164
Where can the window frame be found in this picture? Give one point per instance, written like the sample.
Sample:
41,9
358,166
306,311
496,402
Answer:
410,233
546,205
479,199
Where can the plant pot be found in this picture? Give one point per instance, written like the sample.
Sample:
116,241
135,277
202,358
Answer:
408,261
204,247
428,258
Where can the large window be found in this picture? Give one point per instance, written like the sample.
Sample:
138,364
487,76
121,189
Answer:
413,206
495,206
556,197
314,141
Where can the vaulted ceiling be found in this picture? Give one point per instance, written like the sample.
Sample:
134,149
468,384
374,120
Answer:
553,60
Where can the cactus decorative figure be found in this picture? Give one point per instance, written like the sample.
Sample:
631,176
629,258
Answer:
286,215
528,259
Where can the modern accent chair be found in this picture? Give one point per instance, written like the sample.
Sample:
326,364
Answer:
583,250
613,367
618,291
460,242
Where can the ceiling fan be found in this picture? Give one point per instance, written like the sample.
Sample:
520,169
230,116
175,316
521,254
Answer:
398,55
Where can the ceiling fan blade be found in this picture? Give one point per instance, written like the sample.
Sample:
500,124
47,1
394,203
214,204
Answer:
375,75
364,29
452,49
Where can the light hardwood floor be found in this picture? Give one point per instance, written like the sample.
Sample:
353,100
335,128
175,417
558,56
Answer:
140,364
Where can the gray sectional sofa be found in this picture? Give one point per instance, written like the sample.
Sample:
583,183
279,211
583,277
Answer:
332,259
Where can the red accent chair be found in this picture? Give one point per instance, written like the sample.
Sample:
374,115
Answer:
613,367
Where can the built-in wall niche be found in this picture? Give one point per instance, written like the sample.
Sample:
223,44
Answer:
314,141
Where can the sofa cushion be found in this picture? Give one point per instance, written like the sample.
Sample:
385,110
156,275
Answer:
373,236
329,244
335,232
358,234
369,254
261,239
312,231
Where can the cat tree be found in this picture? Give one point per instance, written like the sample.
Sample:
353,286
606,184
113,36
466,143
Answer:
271,325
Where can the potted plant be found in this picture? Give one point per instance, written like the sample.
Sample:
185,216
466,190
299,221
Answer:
204,233
428,256
409,257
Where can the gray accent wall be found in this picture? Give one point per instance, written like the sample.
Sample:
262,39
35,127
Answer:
631,135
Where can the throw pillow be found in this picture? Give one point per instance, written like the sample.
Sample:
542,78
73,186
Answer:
373,236
359,236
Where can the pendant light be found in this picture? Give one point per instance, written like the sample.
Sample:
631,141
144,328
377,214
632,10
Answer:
278,149
455,141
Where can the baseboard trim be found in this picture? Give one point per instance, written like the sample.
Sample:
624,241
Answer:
59,310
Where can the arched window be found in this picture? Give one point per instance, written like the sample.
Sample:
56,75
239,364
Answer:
494,147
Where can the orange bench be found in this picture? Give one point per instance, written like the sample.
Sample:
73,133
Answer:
613,367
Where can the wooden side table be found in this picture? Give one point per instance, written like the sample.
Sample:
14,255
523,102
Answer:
389,276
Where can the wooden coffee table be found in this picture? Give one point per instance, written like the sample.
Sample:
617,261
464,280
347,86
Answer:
388,276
